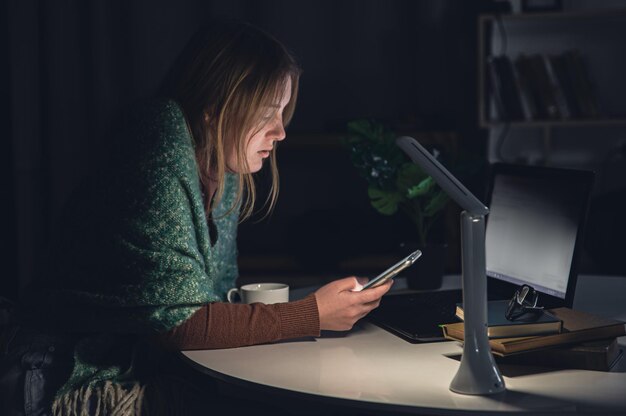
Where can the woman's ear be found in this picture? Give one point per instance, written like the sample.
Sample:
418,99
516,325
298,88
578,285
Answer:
208,120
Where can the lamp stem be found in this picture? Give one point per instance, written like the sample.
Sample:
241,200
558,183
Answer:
478,373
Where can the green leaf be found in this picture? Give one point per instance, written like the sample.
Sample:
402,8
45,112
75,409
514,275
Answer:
409,175
436,204
421,189
385,202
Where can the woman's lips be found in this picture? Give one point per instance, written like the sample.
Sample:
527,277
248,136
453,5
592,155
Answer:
264,153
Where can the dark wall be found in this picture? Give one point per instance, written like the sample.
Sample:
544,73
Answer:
8,236
72,66
410,63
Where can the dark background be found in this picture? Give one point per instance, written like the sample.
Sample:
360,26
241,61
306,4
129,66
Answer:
70,67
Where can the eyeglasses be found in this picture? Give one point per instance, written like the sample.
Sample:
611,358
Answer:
524,302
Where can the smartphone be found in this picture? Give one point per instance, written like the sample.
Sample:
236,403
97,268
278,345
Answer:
391,272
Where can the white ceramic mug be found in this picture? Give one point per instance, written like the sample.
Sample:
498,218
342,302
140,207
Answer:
260,292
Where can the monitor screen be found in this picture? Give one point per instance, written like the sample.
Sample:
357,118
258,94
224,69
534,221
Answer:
531,231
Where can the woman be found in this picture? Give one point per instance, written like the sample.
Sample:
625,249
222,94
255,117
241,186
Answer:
147,251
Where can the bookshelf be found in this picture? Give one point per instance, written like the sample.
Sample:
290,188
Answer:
594,34
591,38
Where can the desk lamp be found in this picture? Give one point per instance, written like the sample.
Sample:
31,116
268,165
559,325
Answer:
478,372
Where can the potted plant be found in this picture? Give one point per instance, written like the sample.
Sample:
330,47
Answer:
396,184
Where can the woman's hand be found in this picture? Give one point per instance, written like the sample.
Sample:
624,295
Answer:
341,303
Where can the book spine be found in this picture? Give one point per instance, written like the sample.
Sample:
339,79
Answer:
505,88
582,85
596,355
563,75
527,100
523,344
543,87
495,92
529,88
557,90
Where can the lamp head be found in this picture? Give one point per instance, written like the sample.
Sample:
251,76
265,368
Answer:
455,189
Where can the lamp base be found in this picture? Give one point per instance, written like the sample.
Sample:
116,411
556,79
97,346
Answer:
478,375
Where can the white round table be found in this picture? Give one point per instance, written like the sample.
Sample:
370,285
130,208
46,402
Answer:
372,370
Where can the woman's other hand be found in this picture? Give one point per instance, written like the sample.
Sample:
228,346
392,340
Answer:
341,303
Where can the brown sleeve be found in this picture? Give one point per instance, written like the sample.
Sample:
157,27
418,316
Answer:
227,325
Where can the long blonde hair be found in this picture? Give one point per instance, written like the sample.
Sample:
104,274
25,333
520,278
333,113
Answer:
226,75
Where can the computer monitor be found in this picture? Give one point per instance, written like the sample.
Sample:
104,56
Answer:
535,229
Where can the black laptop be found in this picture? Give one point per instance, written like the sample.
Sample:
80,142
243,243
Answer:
534,236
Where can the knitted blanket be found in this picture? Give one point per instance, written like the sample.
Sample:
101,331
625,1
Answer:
133,258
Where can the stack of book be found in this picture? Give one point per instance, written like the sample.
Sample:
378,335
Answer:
561,337
542,87
500,327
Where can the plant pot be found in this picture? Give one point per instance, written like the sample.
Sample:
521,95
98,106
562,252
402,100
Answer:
427,272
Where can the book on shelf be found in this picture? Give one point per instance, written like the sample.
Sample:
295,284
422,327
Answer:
578,326
527,90
495,92
557,89
583,88
599,355
532,69
542,87
498,326
528,100
566,83
505,89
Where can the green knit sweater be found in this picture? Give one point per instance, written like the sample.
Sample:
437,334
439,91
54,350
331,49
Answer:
133,257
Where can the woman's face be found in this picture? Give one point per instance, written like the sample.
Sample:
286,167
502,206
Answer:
261,138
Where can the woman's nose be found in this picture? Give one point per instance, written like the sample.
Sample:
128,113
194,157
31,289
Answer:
279,132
